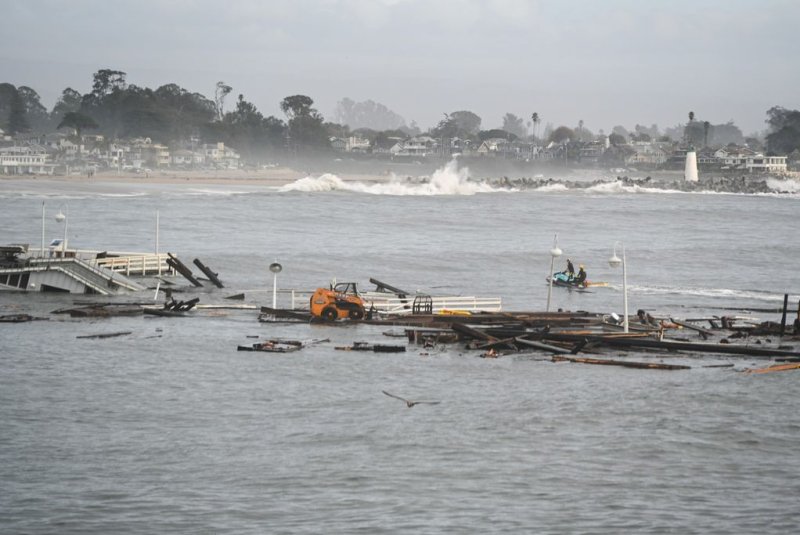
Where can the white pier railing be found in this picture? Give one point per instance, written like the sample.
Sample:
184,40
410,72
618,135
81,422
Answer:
137,264
391,304
386,303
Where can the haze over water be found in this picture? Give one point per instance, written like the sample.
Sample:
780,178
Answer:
170,429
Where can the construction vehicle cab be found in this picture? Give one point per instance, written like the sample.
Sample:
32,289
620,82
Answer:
339,302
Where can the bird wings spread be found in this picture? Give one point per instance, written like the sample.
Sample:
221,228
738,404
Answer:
393,396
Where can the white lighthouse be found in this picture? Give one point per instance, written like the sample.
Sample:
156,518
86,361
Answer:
690,173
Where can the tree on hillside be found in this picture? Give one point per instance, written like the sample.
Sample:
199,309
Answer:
70,100
616,139
35,113
784,136
367,114
17,121
447,128
297,106
562,134
514,124
467,123
78,121
306,129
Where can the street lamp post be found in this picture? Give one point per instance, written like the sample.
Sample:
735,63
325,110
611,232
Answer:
61,217
275,268
614,262
555,252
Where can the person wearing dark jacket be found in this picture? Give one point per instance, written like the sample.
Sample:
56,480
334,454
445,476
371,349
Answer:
580,278
570,269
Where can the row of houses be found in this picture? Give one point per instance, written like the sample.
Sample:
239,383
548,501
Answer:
637,154
57,153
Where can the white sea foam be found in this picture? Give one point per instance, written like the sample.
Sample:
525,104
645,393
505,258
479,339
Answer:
620,187
788,185
552,187
449,180
706,292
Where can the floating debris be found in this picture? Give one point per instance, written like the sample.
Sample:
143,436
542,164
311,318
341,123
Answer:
775,368
105,335
624,363
376,348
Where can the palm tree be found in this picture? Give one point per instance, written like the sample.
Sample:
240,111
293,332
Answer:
706,128
691,116
536,120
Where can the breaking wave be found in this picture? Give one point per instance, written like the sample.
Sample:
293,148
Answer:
452,180
449,180
784,186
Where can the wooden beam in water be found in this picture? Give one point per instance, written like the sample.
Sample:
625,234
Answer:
213,277
623,363
181,268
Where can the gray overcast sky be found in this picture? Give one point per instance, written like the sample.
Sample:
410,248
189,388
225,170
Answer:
605,62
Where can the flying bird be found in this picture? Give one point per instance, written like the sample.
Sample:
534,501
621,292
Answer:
410,403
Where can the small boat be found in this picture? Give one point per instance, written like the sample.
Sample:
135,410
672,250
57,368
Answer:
563,279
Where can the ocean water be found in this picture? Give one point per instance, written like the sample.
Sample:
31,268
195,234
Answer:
171,430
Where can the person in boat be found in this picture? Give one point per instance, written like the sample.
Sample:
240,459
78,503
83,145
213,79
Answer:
570,269
580,278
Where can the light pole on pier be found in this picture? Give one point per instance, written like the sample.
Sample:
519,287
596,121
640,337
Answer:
62,217
555,252
275,268
614,262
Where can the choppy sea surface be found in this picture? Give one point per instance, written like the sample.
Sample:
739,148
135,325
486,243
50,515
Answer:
171,430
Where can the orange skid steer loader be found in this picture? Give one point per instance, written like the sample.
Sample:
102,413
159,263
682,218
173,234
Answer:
339,302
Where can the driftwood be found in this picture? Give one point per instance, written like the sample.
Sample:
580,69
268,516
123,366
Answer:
624,363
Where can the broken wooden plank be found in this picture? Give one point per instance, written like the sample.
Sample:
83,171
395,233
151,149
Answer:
623,363
775,368
705,333
181,268
471,332
213,277
731,349
376,348
542,345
